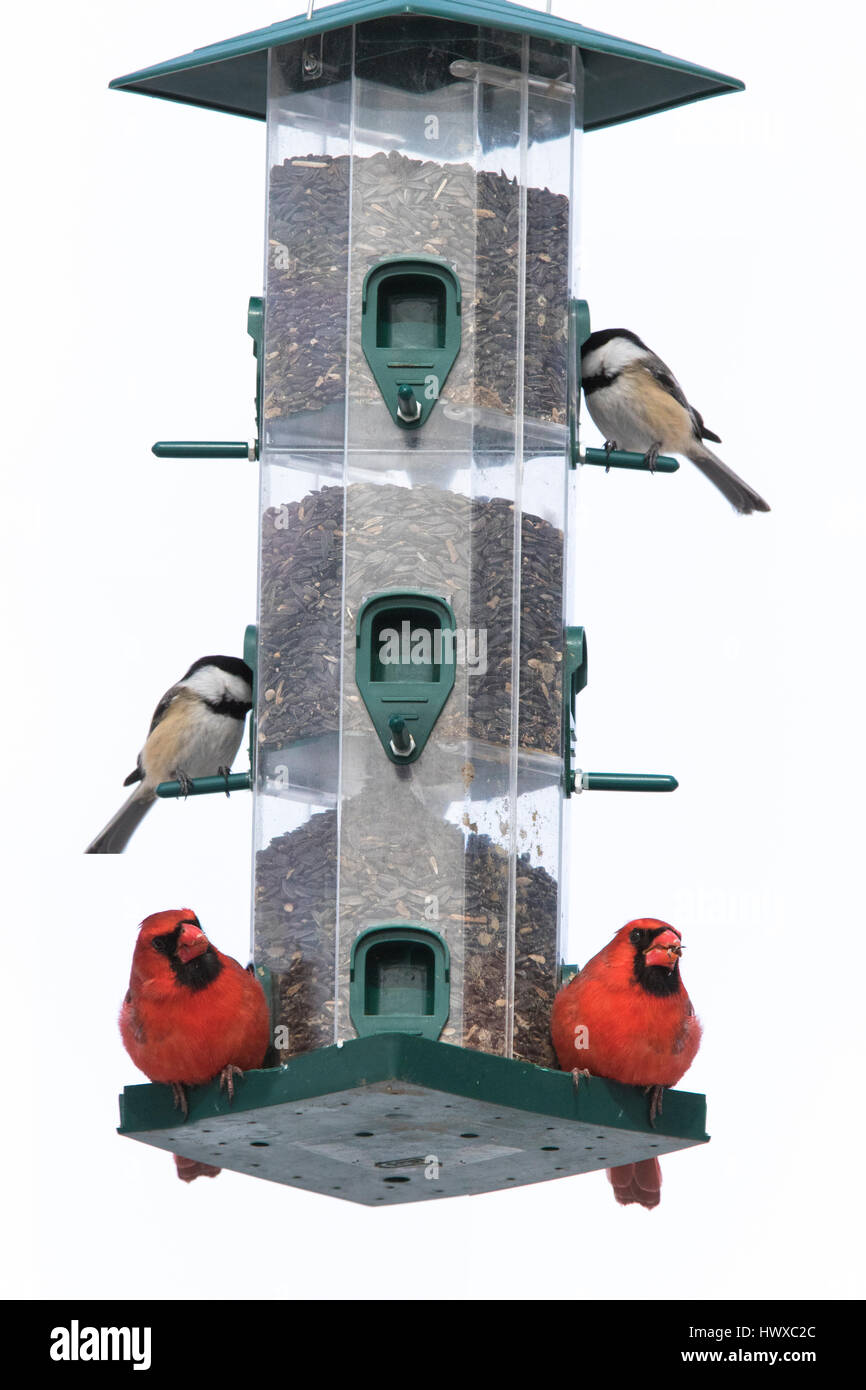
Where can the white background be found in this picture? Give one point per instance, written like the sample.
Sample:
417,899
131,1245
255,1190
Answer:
728,650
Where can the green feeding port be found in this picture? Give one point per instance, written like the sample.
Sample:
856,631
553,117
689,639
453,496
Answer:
411,332
399,981
405,663
399,634
411,313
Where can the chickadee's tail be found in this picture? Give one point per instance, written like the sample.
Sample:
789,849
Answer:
742,498
115,836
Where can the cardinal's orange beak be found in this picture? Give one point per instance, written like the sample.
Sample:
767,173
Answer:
192,942
664,949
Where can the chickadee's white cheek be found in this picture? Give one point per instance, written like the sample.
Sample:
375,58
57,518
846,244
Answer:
618,354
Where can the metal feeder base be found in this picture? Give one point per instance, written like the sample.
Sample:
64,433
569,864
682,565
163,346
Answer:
397,1118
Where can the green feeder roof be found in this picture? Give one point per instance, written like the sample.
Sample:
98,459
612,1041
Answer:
623,80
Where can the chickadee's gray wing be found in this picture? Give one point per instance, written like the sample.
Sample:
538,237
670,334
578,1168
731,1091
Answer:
665,377
162,708
158,715
703,432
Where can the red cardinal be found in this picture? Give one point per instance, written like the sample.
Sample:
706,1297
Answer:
191,1014
629,1007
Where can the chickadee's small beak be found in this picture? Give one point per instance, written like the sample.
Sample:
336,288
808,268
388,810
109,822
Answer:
665,949
191,943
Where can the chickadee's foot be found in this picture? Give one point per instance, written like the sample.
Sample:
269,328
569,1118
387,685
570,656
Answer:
227,1079
577,1073
656,1095
184,782
224,773
651,456
178,1090
609,446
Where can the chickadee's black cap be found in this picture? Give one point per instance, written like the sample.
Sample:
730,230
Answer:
605,335
232,665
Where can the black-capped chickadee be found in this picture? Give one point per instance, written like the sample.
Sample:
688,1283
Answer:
196,731
638,404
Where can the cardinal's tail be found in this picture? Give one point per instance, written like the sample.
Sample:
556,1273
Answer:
742,498
188,1169
637,1182
114,837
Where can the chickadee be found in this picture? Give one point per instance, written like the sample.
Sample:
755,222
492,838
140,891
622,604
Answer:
638,404
196,731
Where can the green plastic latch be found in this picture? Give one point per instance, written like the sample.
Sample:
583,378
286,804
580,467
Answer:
411,332
578,332
405,662
251,657
399,981
256,330
574,680
401,737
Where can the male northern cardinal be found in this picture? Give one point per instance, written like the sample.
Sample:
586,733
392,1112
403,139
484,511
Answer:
191,1013
627,1017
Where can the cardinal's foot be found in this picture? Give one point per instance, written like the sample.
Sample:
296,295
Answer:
656,1094
227,1079
180,1100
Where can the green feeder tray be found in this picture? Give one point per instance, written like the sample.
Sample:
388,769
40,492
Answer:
391,1118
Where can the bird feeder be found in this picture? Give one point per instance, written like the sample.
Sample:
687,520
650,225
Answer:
416,660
